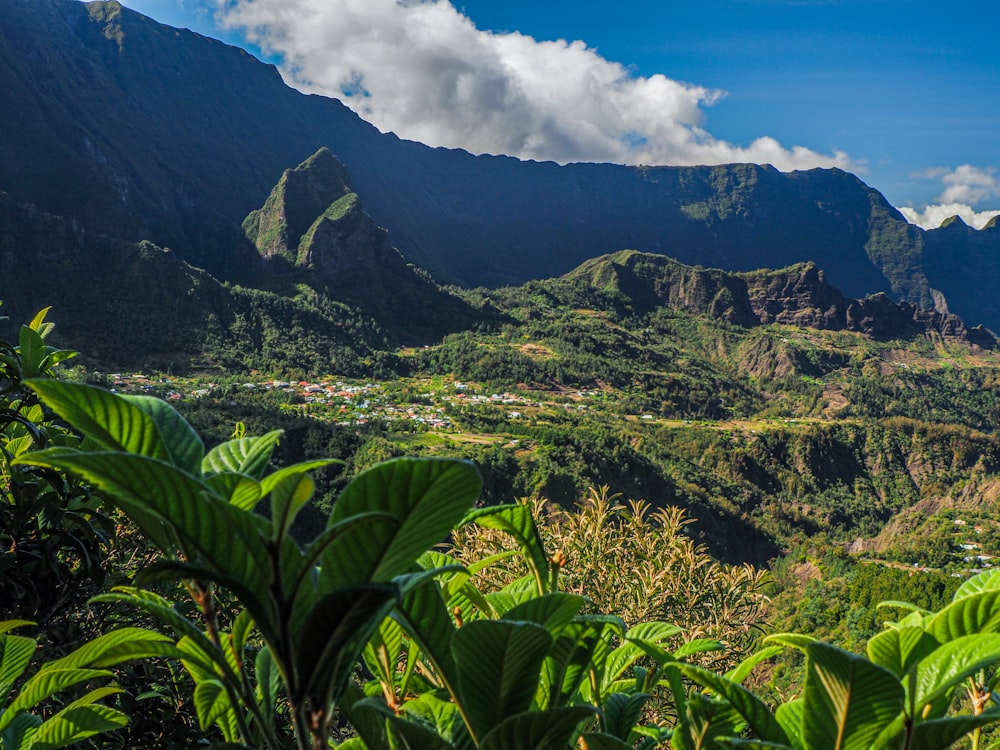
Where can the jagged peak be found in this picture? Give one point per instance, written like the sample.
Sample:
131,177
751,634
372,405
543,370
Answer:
993,223
302,195
953,220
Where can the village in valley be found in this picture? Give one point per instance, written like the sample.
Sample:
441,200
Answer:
409,405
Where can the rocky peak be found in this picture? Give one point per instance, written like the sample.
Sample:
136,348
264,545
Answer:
344,240
955,220
301,195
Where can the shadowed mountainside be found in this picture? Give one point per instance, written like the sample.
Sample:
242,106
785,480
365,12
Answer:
142,131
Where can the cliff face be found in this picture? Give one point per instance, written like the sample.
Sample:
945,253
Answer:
344,241
965,265
312,221
798,295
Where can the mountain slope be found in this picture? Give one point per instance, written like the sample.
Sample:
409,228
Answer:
146,132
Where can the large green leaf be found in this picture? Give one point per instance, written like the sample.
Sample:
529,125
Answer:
754,711
268,680
568,663
790,716
514,593
434,710
249,455
611,627
107,419
114,648
791,640
972,614
653,632
634,648
426,496
333,637
180,439
742,670
498,665
76,723
426,620
210,702
298,567
898,649
458,590
20,731
912,609
539,730
272,480
45,684
552,611
622,712
227,538
287,499
32,350
160,608
942,733
15,655
239,490
698,646
382,729
706,723
988,580
848,700
951,663
405,735
383,649
517,521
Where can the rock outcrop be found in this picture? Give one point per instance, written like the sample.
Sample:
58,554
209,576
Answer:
798,295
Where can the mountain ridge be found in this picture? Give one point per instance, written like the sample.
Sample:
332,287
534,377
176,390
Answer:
142,131
798,295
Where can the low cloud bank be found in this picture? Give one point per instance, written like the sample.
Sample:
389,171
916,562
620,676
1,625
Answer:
964,188
932,216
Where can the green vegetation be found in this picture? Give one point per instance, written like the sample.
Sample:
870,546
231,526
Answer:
528,634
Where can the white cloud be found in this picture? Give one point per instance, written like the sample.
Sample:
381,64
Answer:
964,188
423,70
968,184
932,216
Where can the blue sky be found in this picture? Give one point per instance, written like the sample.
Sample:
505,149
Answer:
905,94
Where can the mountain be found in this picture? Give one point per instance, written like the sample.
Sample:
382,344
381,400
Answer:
798,296
145,132
313,230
